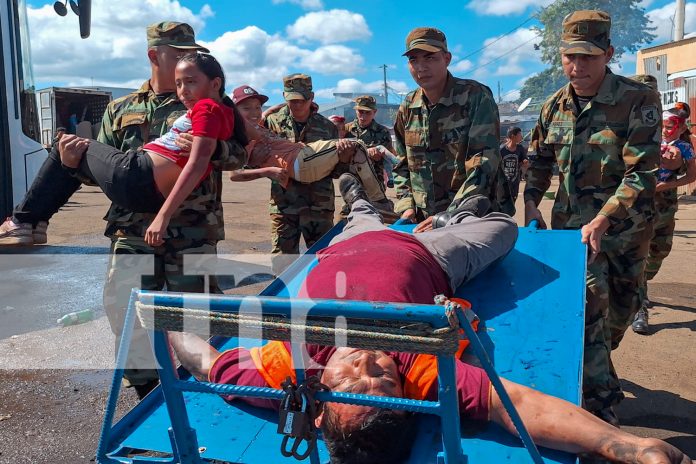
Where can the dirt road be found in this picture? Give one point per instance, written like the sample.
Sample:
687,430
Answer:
54,381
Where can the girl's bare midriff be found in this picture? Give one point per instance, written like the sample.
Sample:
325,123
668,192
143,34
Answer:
164,171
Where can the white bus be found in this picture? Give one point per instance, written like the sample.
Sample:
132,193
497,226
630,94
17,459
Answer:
21,154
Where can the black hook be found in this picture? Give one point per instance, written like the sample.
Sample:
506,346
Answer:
74,6
61,8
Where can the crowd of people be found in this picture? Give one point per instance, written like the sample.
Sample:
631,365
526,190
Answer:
161,152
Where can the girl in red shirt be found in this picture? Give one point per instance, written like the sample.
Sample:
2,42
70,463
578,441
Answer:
159,177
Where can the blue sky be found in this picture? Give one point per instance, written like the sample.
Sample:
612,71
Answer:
341,44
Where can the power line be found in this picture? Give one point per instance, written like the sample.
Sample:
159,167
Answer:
498,58
499,38
533,16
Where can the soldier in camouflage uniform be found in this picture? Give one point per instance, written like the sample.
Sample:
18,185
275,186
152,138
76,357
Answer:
305,210
447,136
128,123
603,130
365,128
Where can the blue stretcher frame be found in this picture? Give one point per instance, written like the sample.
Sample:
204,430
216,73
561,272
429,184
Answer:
557,285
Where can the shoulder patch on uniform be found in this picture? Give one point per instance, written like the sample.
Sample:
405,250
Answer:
649,114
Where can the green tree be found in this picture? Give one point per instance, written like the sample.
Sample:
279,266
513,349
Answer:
630,30
630,27
541,85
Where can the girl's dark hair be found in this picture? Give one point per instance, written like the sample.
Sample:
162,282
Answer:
212,69
208,66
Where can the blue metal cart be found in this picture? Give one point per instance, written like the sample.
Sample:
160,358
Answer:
531,305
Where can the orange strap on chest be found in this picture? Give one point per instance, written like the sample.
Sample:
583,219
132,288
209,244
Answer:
274,363
423,373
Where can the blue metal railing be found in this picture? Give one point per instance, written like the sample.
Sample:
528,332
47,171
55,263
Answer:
183,437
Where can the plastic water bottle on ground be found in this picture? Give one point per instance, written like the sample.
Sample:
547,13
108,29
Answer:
75,318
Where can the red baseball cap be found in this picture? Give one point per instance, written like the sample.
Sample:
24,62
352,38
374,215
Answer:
243,92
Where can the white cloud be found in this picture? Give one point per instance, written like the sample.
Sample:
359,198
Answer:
352,85
461,66
505,7
114,54
512,95
506,56
662,19
333,59
332,26
305,4
252,56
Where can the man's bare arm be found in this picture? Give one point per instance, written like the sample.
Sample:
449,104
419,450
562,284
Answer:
558,424
194,353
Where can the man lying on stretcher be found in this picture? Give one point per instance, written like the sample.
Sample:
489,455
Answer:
413,268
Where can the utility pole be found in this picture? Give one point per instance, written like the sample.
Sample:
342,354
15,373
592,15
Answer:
386,98
500,89
679,20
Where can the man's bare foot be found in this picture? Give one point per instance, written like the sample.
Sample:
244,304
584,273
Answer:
71,148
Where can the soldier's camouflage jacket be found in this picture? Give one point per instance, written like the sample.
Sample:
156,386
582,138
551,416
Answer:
299,198
140,117
607,156
451,149
373,135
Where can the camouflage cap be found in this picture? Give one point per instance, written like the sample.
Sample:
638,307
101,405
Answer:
647,79
365,102
177,35
297,87
585,32
426,38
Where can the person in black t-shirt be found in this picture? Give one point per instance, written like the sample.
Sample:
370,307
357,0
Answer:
514,158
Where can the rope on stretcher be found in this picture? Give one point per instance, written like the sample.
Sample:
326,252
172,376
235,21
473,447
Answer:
405,336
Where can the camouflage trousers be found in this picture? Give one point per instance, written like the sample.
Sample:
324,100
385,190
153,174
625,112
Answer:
133,263
286,230
614,295
666,206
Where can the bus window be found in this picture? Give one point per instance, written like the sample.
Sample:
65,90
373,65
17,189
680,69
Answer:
25,75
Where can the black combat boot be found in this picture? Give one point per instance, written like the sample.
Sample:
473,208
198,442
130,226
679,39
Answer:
640,323
478,205
351,189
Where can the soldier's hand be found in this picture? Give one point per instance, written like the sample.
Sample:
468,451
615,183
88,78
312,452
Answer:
409,215
424,226
531,213
346,150
592,235
71,147
184,141
374,154
277,174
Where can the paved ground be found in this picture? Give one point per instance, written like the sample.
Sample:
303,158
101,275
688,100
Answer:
54,381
